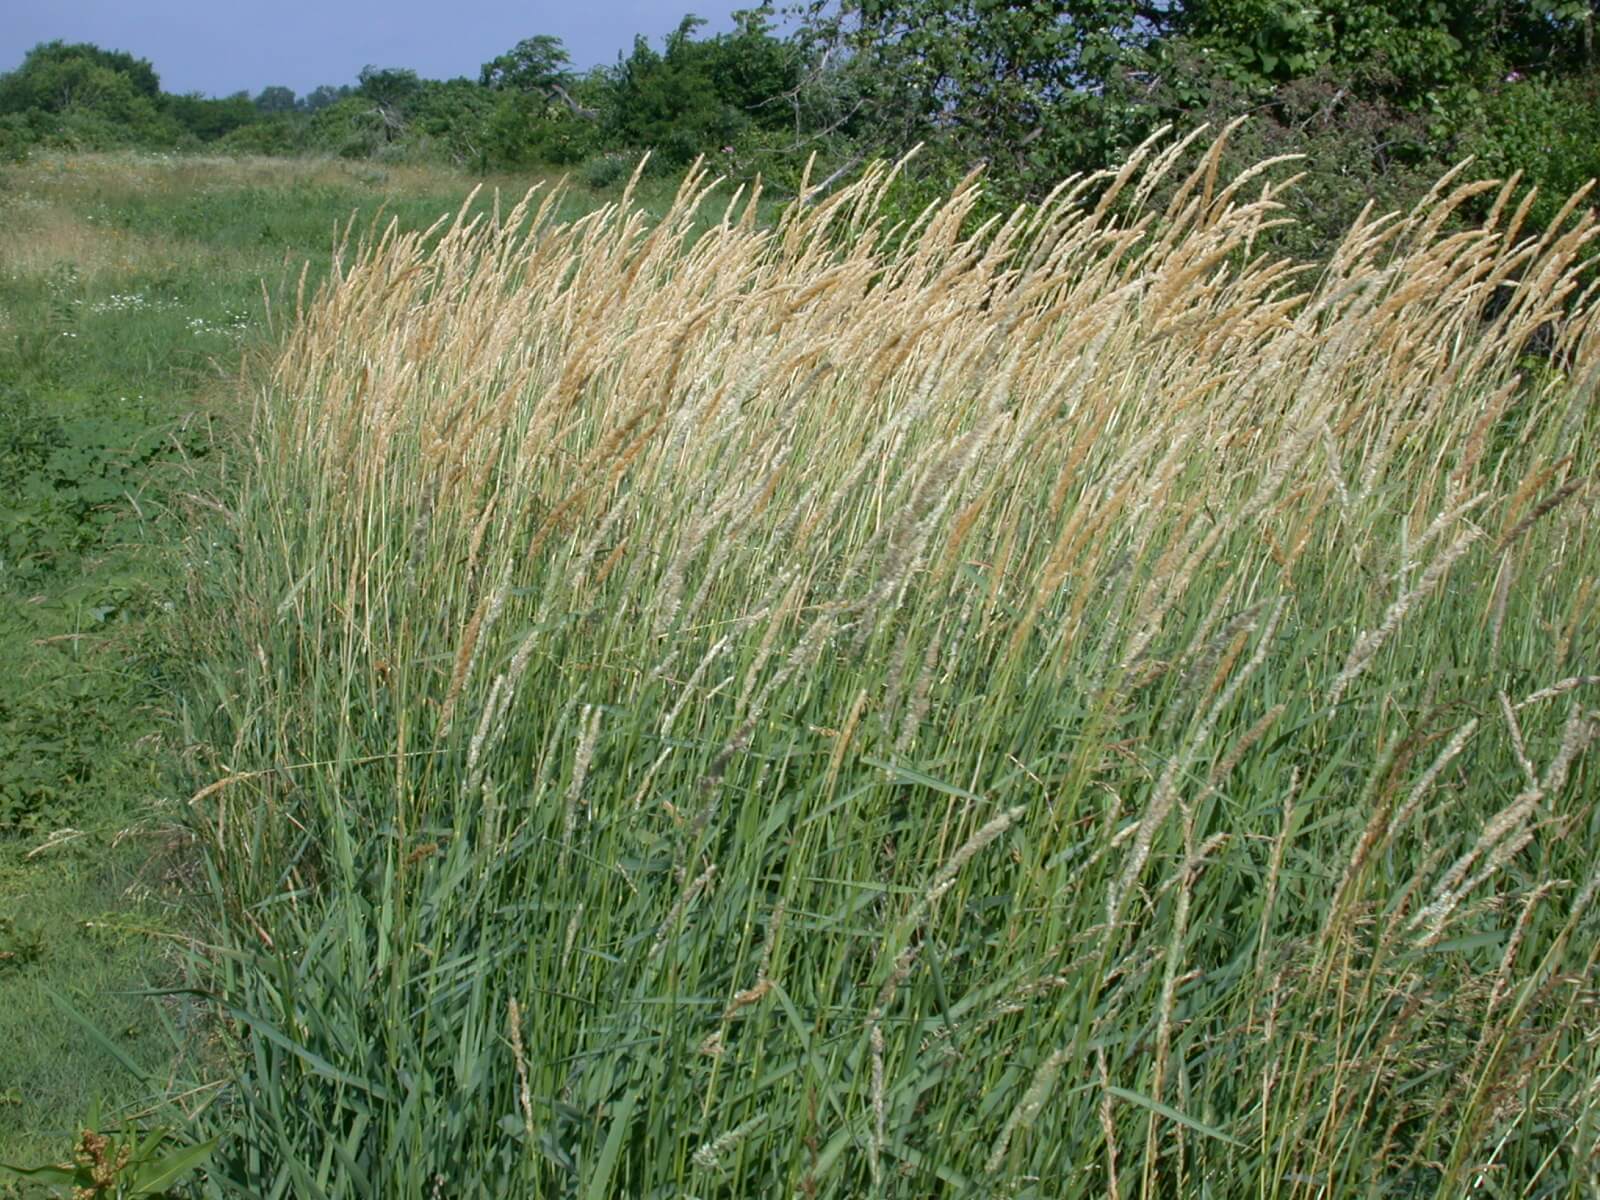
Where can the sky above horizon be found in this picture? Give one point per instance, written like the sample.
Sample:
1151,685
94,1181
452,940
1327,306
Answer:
221,48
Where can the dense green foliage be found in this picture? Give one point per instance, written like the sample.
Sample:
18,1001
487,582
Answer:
699,96
1379,98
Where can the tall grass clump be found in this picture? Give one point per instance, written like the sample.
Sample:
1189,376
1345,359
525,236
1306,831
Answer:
1056,706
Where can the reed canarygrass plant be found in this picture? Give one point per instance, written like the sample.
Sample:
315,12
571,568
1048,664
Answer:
1056,705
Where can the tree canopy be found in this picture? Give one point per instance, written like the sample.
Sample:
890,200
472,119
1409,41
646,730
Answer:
533,64
1379,95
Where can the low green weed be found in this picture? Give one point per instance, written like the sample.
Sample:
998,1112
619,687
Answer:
131,289
120,1164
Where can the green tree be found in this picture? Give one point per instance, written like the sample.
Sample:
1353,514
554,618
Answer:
351,127
56,76
320,97
449,119
1409,51
696,96
555,126
392,92
1546,125
207,119
88,96
664,101
275,100
533,74
392,88
1037,89
1382,98
755,71
534,64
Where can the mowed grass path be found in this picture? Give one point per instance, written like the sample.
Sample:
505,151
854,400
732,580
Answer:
131,290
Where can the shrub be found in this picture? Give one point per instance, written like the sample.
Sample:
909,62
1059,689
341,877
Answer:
607,170
1546,128
17,138
349,128
272,136
526,129
697,96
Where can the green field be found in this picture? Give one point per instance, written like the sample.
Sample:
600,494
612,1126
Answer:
721,701
132,291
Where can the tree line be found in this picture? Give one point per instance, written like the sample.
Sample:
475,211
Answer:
1380,97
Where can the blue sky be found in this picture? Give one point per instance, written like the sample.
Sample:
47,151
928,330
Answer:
224,46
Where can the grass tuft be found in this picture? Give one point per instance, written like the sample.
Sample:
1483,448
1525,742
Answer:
824,707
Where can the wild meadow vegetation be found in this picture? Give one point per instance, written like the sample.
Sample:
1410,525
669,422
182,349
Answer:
1060,704
826,682
131,290
107,335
